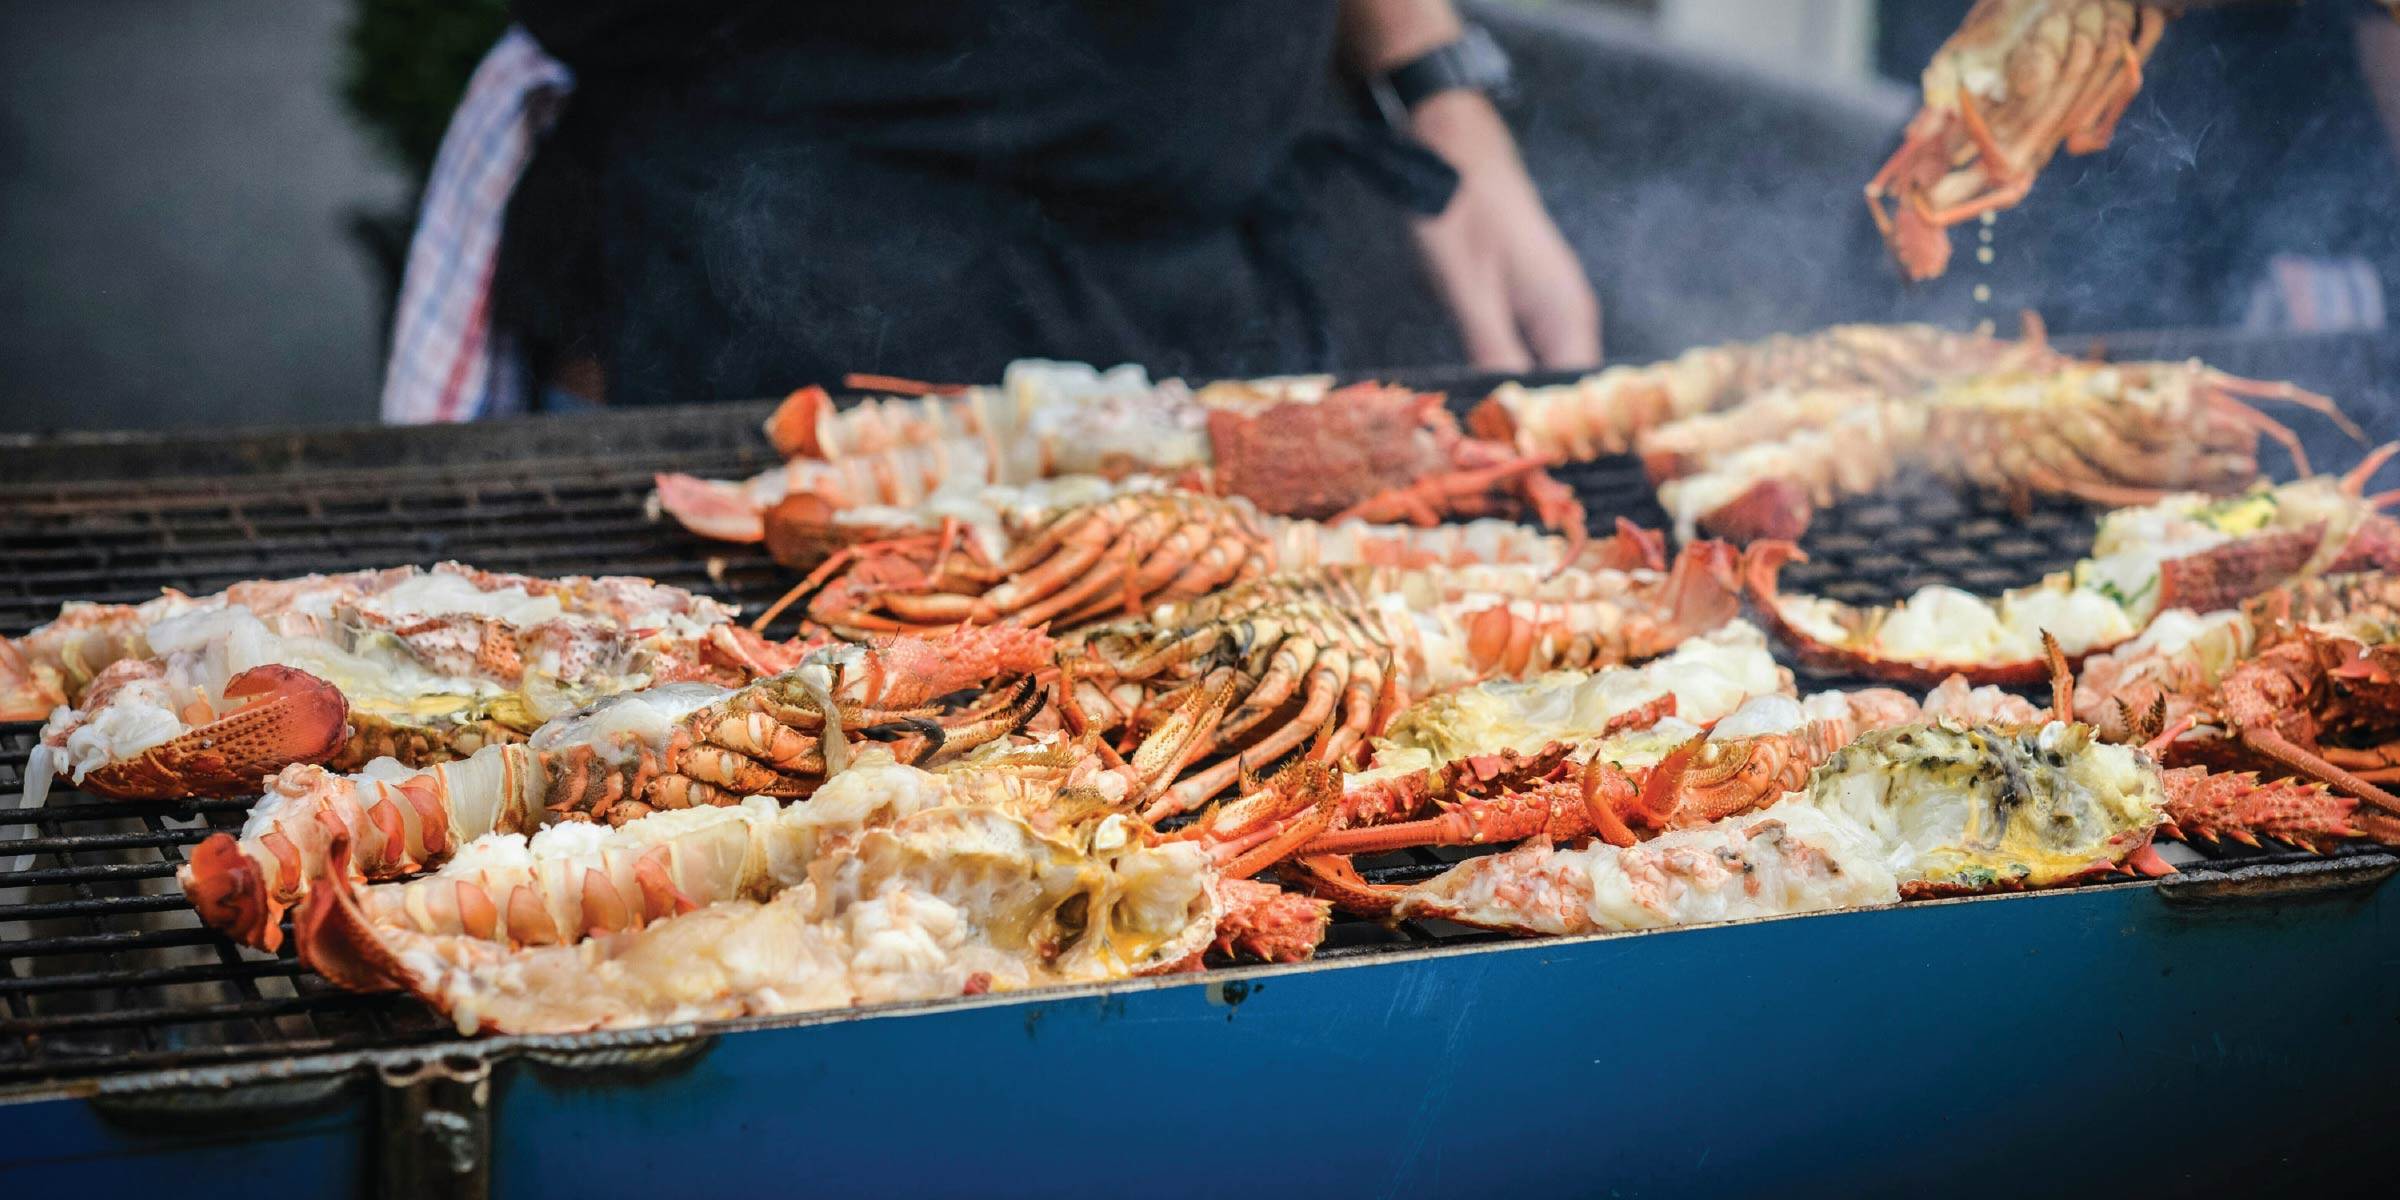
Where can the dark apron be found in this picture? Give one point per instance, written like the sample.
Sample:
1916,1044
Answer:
1074,185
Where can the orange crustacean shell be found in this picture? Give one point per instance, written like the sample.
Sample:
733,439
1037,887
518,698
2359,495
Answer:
286,716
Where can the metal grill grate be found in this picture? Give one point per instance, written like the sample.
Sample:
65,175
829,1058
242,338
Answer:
104,969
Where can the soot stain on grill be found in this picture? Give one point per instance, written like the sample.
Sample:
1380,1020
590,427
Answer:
1231,993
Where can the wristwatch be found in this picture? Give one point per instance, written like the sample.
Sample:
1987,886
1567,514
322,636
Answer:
1475,62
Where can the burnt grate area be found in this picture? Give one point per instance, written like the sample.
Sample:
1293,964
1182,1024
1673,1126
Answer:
1876,549
104,969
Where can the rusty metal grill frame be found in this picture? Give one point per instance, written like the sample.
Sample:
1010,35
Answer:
105,971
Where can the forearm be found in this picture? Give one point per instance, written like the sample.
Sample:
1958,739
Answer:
1377,35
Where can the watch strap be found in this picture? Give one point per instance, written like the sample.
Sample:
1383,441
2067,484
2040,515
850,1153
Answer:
1474,62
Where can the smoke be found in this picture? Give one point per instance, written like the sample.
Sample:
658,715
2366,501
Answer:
1711,201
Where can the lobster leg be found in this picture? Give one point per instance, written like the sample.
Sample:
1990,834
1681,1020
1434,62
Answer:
1293,659
2112,495
2368,762
2093,124
1359,706
1332,877
1077,572
1997,168
1280,846
1221,563
2298,758
1148,570
990,726
1424,501
1324,689
1179,741
2261,389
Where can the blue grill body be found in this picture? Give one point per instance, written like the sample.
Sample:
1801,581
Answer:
2112,1039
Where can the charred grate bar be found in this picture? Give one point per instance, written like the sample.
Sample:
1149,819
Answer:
103,969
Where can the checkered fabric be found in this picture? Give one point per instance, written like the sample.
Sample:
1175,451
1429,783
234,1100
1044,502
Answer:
447,364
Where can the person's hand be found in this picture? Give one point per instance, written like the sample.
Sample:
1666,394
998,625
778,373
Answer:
1510,279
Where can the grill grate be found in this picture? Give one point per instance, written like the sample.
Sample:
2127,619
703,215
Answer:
103,969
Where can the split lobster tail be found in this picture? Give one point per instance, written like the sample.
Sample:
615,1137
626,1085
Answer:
24,694
1769,508
333,936
228,891
285,716
1631,548
1764,561
792,427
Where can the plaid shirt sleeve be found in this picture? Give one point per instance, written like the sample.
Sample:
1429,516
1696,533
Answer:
447,364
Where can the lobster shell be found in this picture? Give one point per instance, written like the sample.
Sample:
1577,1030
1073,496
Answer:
288,716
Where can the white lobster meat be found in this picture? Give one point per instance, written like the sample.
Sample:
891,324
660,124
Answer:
896,890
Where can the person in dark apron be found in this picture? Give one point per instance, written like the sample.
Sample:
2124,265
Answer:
744,196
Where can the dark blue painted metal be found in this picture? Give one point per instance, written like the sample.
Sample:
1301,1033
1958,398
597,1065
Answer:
70,1148
2082,1042
2031,1044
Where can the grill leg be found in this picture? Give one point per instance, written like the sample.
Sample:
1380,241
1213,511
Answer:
434,1128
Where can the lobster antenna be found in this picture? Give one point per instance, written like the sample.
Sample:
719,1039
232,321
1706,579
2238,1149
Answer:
2355,481
2260,389
2062,679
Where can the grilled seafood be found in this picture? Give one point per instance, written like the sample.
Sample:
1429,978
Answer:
1116,557
1050,417
1497,737
1642,775
1696,684
1924,810
1654,772
1044,419
265,717
1610,411
1006,559
1292,447
673,747
2018,80
2186,552
2299,681
206,695
946,902
1300,545
1338,652
1379,453
891,883
573,880
2118,434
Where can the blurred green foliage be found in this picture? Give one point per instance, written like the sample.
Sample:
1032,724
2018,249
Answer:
407,64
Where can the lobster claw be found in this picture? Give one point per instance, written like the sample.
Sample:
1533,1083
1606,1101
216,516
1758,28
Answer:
286,716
